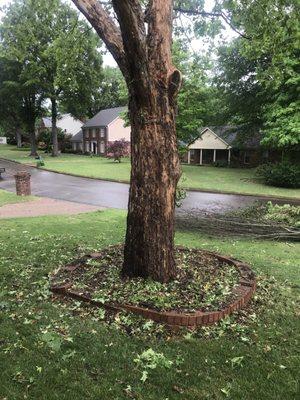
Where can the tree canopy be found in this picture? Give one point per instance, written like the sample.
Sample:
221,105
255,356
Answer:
260,74
57,54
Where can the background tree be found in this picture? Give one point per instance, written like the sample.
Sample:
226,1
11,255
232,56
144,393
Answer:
112,91
59,52
262,72
11,106
242,94
198,98
21,96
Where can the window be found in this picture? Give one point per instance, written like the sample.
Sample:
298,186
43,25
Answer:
93,132
86,133
102,132
102,147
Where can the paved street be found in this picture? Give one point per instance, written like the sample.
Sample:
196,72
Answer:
110,194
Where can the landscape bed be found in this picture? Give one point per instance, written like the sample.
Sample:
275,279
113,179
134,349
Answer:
207,287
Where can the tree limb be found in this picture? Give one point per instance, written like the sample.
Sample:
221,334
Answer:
104,25
160,22
211,15
131,20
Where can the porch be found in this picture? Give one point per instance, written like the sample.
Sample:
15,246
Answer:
94,147
208,156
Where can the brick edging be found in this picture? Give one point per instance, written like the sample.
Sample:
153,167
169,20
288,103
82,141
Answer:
244,292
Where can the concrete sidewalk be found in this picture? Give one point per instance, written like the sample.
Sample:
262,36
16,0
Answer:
44,206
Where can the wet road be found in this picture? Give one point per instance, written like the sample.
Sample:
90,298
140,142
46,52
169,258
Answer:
111,194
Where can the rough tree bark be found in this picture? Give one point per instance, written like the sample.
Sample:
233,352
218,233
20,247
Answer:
144,58
54,128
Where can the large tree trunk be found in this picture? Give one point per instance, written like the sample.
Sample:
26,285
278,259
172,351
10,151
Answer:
144,57
155,169
54,128
19,137
149,245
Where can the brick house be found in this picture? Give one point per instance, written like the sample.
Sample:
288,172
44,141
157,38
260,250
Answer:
98,132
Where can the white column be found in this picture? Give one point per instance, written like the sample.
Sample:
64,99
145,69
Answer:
200,156
189,157
229,155
215,155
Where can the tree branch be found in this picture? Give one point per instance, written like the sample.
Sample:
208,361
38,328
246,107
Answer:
211,15
104,25
130,16
160,22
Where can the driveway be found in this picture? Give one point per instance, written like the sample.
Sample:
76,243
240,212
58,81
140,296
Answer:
111,194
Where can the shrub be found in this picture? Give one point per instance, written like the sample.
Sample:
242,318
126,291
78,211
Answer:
118,149
221,164
283,174
40,162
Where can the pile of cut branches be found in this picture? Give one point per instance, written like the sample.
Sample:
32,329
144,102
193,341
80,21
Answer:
251,222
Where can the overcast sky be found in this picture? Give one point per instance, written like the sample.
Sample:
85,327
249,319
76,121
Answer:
197,45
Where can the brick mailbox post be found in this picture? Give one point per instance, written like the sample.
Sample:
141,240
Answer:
23,183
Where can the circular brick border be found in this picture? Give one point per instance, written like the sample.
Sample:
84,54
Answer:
243,292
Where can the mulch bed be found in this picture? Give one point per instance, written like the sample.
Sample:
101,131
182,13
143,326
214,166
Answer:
206,284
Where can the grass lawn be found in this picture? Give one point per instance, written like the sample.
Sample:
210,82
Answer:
11,198
56,350
233,180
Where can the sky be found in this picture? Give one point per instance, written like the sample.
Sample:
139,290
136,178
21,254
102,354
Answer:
196,45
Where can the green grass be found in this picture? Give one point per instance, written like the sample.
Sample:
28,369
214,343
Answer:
231,180
11,198
94,167
55,350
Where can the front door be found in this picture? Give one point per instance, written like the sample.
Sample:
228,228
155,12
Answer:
94,148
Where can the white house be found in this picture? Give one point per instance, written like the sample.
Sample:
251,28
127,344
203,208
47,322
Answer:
208,148
229,145
66,122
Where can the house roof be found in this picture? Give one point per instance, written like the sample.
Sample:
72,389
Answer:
104,117
47,122
66,122
78,137
235,136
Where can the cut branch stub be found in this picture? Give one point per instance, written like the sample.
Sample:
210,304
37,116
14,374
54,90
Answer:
175,83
